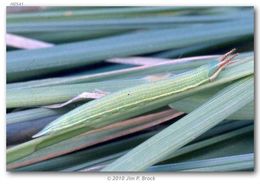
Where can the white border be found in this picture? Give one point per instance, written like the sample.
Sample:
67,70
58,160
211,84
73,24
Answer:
43,179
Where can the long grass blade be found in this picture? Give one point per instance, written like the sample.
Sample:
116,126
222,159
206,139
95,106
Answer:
185,130
126,23
86,13
98,164
229,163
22,66
100,135
133,72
